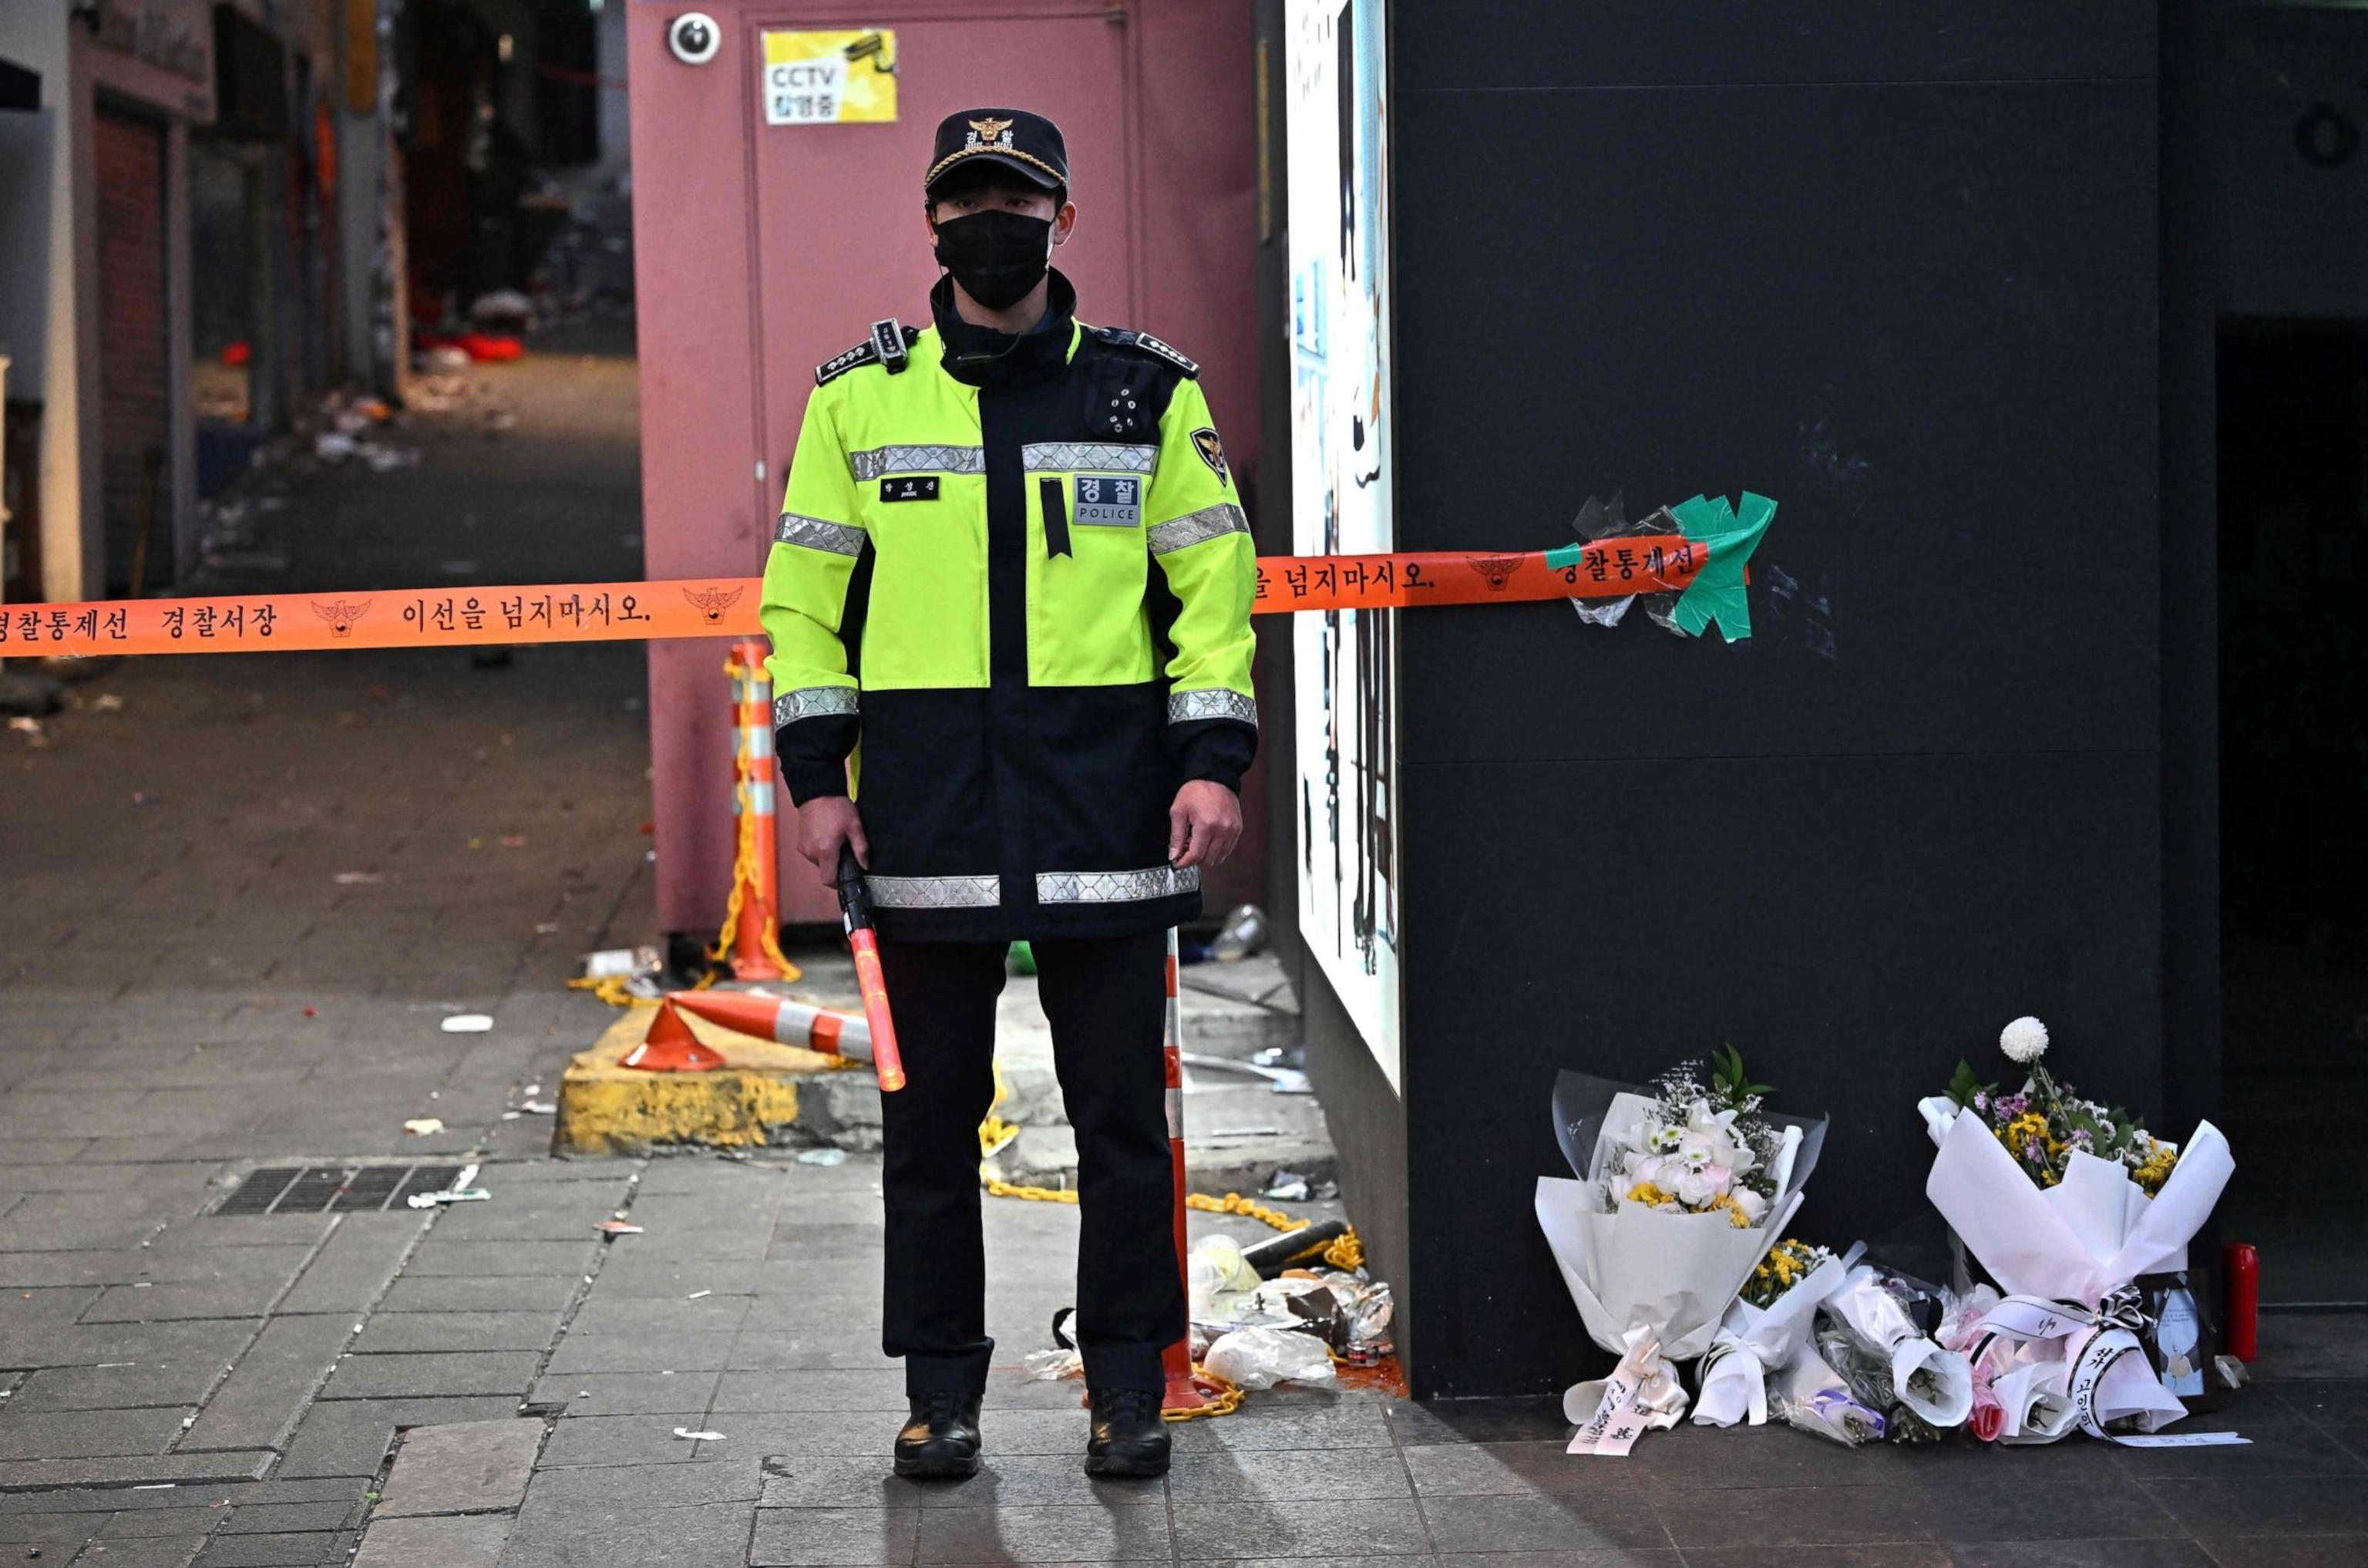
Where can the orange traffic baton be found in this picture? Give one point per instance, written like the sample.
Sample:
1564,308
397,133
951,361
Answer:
855,911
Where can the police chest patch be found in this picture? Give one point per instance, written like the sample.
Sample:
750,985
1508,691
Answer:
1204,441
909,488
1111,501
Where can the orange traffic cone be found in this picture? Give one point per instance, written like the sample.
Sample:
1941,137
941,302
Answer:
670,1047
1188,1388
780,1018
750,939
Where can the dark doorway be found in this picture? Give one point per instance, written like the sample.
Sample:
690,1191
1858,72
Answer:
2293,772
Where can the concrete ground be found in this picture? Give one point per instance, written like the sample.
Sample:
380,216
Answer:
237,904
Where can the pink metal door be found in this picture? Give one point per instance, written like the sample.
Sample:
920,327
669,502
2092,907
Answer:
763,250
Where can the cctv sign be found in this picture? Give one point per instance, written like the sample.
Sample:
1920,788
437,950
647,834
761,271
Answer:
829,78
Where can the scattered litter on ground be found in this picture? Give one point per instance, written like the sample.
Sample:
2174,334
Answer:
547,929
156,1486
467,1023
1046,1366
144,797
622,962
1261,1358
514,841
360,878
106,702
697,1295
29,727
617,1228
424,1126
455,1195
1286,1186
1243,935
686,1433
540,1107
822,1156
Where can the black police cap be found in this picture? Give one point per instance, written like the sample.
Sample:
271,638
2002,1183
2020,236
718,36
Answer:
1026,143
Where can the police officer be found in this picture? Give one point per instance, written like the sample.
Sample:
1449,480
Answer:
1009,601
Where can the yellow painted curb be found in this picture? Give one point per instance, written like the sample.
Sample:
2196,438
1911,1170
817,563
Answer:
604,1108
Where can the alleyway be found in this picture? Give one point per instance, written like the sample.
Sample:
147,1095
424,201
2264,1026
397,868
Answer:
238,898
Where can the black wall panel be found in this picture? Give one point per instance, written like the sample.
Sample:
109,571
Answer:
1895,267
1904,313
1496,45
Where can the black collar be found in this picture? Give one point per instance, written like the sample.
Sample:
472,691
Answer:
982,357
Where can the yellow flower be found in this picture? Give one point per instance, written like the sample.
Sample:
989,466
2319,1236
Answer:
2025,1128
1645,1192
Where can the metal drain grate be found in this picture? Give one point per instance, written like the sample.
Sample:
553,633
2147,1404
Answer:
321,1189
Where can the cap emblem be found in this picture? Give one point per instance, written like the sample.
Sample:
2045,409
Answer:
987,133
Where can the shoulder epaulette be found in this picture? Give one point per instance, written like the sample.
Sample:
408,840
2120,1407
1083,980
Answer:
1125,337
889,345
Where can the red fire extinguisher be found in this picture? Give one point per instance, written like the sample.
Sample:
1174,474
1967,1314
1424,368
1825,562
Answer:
2242,1264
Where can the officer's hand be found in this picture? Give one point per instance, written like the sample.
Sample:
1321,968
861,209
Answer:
822,824
1203,825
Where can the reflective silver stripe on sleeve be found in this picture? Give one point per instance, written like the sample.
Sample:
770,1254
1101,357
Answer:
1063,457
817,534
1192,527
1184,707
1115,887
809,701
877,461
935,892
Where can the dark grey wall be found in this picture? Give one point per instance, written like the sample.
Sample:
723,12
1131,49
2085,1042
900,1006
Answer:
1895,266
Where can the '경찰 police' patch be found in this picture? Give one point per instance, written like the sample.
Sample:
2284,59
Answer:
1111,501
1204,441
909,488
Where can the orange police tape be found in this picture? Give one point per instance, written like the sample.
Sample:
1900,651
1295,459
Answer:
726,607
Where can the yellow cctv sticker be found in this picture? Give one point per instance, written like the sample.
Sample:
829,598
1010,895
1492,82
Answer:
830,78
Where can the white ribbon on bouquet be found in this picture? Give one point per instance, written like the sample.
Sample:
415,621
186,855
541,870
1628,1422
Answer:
1753,1342
2070,1256
1642,1394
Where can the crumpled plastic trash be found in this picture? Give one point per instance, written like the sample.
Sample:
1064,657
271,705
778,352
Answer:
1047,1366
1286,1186
1216,1269
1261,1358
822,1156
423,1126
1243,935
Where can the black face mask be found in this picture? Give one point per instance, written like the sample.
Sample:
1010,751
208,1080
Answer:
995,257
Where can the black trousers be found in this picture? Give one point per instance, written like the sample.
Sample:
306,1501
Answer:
1107,999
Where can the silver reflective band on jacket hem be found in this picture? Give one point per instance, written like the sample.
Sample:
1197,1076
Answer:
817,534
935,892
1193,528
1100,457
878,461
808,702
1115,887
1184,707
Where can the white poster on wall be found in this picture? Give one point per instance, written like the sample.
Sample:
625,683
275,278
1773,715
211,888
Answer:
1335,76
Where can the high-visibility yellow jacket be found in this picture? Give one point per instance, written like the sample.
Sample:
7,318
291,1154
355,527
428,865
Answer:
1016,572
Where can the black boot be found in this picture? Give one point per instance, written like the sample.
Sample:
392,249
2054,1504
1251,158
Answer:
1129,1435
940,1437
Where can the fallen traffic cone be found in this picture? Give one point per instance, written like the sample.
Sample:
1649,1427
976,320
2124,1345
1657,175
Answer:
670,1047
779,1018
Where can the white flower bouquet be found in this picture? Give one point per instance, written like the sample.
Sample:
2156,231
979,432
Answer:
1680,1188
2066,1228
1766,1330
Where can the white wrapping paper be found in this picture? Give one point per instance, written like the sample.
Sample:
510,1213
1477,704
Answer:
1936,1384
1754,1342
2068,1256
1650,1286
